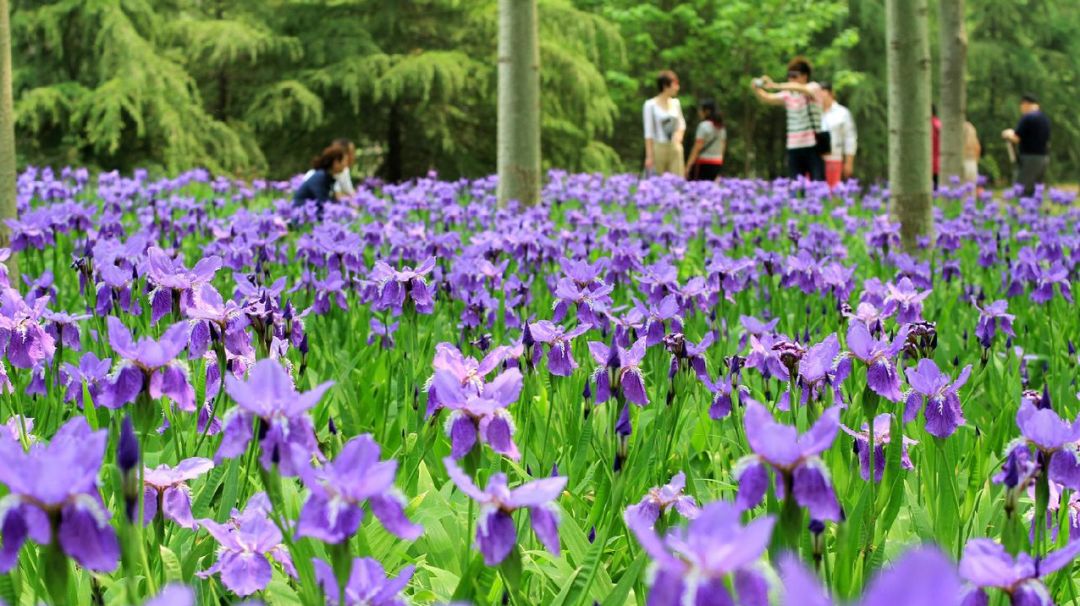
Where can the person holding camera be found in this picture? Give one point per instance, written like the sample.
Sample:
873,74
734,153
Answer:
800,97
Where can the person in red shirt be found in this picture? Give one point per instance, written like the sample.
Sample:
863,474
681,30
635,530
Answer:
935,144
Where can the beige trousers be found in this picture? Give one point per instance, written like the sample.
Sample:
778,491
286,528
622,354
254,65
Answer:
668,158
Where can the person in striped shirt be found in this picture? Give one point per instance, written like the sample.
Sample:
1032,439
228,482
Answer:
800,97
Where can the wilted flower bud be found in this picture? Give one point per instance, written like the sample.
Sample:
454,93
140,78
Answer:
791,354
921,340
676,344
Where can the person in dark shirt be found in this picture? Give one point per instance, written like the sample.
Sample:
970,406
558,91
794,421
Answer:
319,186
1032,137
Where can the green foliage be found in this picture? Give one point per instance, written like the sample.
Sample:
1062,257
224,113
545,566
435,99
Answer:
95,80
176,83
223,83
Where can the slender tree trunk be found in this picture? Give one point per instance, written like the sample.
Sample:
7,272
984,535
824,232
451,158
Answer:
8,207
908,58
519,103
953,65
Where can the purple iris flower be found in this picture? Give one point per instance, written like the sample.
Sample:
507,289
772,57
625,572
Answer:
765,357
166,490
881,374
247,543
802,270
756,327
64,327
695,354
173,594
881,440
383,333
394,287
592,302
114,290
693,564
920,577
286,435
496,533
584,273
468,371
25,340
330,290
839,280
1047,278
1019,468
793,458
148,366
627,377
53,495
367,585
821,367
173,282
91,372
939,393
905,301
986,564
339,489
561,361
1056,439
873,292
479,413
663,498
728,275
626,325
722,390
656,316
992,318
218,321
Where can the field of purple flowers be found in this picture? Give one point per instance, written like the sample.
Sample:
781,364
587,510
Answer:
639,392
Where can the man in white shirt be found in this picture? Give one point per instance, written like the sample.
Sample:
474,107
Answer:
837,120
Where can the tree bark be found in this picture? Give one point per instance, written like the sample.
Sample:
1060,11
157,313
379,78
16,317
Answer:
953,66
8,207
908,58
518,139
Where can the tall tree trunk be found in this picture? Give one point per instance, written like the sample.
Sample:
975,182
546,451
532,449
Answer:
908,59
519,103
953,65
8,208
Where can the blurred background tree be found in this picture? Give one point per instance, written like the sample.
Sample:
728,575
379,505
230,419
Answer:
256,87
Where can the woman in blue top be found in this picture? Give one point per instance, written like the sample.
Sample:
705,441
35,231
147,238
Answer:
320,185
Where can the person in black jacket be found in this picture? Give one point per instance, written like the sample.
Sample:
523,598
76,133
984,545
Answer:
319,186
1032,137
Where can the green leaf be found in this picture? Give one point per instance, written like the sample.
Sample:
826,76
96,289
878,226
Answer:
171,564
619,595
560,599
